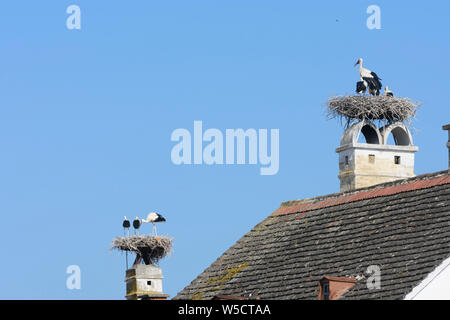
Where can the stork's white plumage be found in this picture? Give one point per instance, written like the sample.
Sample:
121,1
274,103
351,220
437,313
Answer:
154,217
372,79
388,92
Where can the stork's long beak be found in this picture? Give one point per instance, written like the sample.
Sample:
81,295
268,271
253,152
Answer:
357,62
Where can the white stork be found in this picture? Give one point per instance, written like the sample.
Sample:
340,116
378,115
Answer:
388,92
361,86
152,218
126,226
373,81
126,230
136,224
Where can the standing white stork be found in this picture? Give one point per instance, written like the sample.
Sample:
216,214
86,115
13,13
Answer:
126,230
126,226
388,92
373,81
152,218
361,86
136,224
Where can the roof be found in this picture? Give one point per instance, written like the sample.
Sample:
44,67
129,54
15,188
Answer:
403,227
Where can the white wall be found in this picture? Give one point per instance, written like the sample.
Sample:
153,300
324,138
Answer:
435,287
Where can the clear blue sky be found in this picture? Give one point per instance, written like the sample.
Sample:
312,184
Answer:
86,117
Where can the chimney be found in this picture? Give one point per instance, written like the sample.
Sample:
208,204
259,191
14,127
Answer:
144,282
374,161
447,127
332,288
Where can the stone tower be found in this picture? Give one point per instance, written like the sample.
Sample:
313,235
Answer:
144,282
364,164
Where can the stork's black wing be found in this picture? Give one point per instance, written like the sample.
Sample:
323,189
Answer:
136,224
375,76
360,87
160,218
374,85
377,80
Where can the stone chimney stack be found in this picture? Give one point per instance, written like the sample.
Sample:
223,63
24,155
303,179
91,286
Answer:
374,161
447,127
144,282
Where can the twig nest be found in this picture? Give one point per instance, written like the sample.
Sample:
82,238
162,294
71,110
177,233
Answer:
147,247
383,108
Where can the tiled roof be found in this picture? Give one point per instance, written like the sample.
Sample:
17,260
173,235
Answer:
403,227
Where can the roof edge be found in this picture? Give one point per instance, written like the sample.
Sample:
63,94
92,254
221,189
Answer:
381,190
426,176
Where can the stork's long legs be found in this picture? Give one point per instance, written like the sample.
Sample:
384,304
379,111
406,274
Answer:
125,232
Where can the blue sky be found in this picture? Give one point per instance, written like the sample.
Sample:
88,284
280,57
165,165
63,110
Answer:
86,118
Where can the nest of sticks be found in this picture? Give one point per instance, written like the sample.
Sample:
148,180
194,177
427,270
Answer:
148,248
383,108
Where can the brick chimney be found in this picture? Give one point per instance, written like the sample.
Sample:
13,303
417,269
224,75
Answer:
374,161
447,127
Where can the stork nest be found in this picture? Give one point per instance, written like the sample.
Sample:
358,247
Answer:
148,248
383,108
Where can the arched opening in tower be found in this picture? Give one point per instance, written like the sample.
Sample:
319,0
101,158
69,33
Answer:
399,137
369,135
